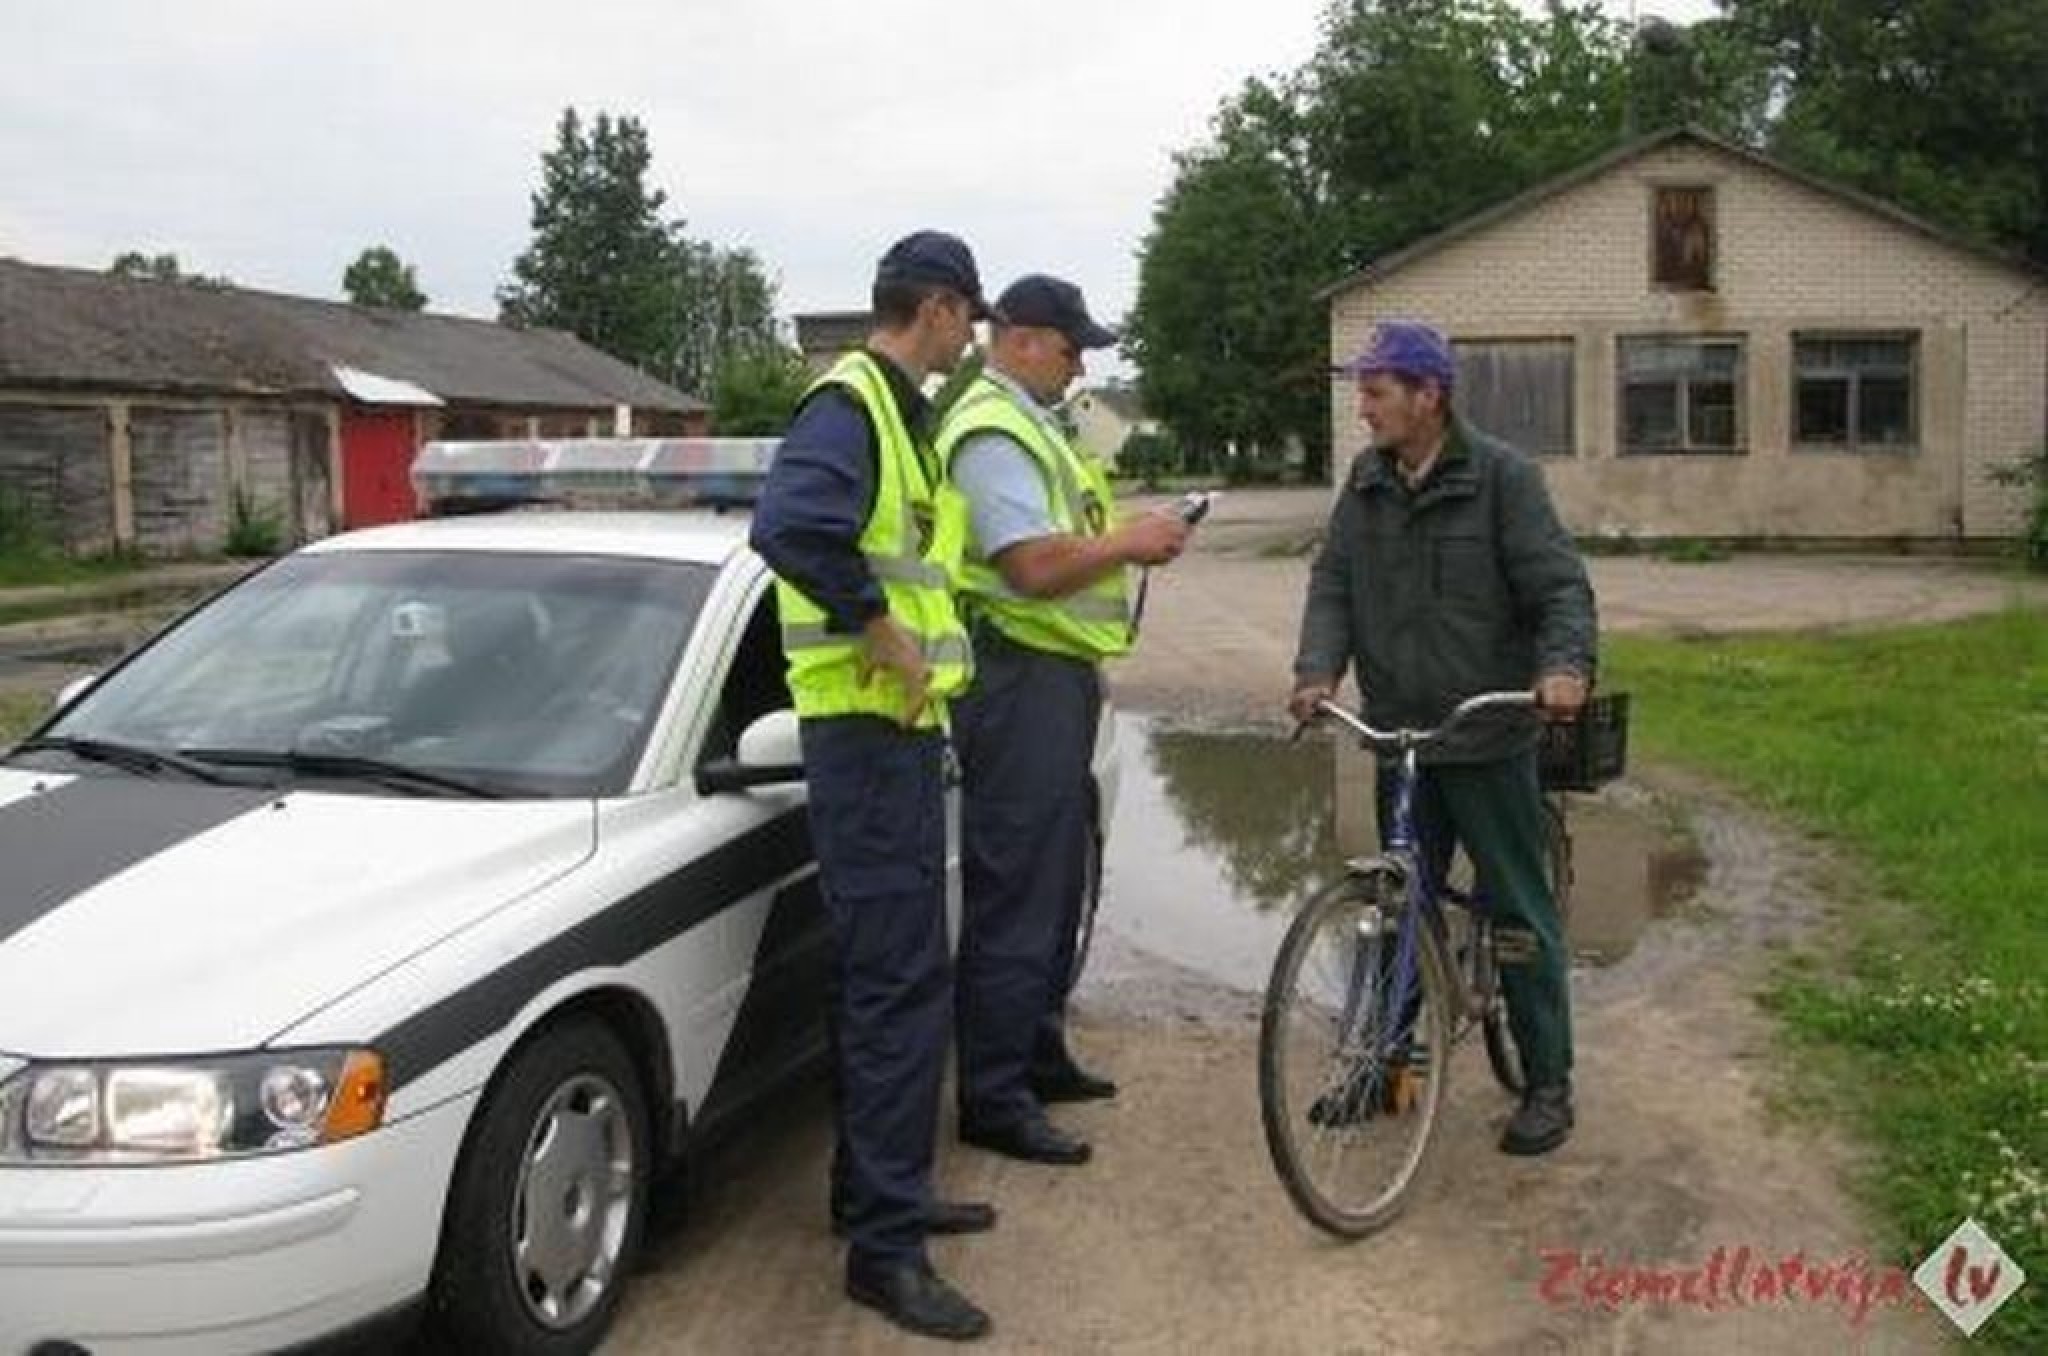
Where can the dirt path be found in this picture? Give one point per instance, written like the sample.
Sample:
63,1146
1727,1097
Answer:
1178,1238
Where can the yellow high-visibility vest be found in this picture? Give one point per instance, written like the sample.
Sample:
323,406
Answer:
1093,624
914,557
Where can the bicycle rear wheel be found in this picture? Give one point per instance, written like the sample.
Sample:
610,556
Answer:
1502,1055
1484,977
1351,1072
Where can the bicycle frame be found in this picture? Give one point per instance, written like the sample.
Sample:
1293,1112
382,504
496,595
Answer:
1422,896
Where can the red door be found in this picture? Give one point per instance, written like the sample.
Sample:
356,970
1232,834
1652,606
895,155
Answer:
376,467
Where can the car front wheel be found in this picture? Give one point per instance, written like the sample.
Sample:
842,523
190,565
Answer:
548,1201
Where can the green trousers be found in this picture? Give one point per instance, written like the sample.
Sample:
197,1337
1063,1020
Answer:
1495,810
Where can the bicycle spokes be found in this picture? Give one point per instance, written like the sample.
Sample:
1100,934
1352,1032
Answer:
1350,1065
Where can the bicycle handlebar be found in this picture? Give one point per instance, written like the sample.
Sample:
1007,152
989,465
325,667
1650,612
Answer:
1413,738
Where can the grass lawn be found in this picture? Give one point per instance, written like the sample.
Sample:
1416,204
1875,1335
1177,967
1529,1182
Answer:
29,569
18,712
1920,1012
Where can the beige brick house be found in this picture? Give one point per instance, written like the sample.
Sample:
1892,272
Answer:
1700,341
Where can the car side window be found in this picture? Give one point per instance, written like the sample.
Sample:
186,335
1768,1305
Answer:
756,683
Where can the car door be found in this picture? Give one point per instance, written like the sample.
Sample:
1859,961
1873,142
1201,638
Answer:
780,1032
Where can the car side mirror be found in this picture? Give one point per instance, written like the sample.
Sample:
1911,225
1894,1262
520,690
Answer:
73,690
770,753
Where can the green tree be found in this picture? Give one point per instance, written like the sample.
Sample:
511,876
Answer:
159,268
1412,115
726,309
1229,342
757,390
609,266
1941,105
379,277
604,260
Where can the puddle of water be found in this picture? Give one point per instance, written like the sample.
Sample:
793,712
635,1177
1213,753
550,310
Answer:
1216,839
1219,836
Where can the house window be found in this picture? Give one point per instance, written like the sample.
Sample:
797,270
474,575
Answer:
1519,390
1682,239
1681,395
1854,392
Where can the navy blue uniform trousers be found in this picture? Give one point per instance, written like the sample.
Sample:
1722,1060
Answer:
878,820
1024,733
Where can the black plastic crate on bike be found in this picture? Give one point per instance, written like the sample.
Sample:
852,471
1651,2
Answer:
1590,751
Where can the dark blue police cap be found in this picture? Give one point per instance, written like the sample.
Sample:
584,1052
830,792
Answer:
1044,302
936,258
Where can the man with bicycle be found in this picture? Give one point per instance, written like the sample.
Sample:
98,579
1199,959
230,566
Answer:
1445,572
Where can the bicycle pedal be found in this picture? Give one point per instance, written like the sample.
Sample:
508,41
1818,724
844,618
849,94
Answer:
1402,1091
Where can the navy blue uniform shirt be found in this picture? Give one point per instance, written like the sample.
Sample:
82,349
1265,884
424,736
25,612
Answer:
819,493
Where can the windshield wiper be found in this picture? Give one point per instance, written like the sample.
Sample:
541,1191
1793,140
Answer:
132,757
349,765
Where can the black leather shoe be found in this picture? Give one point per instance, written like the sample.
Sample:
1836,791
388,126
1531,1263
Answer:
1541,1123
1034,1139
1072,1084
945,1217
913,1297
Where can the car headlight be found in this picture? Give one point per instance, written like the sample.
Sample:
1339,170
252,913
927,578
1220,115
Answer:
189,1110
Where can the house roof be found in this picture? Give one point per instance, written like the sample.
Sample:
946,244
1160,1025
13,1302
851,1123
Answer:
71,328
1592,169
1122,401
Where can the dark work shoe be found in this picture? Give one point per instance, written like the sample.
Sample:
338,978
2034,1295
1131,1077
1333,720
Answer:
1541,1123
1034,1139
912,1296
943,1217
1071,1084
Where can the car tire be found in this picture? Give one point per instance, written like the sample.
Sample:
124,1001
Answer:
549,1199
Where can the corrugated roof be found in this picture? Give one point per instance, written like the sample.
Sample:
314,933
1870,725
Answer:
62,328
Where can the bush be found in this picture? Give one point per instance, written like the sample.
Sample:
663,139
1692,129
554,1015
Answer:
22,536
1692,551
2033,472
756,391
252,531
1148,458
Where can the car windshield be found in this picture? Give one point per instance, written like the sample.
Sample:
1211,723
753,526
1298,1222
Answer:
528,675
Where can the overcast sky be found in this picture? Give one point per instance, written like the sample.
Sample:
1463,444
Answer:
271,142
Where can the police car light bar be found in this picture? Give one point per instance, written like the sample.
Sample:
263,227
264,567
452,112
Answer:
469,477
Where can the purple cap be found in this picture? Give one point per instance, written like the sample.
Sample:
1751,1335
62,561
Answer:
1408,348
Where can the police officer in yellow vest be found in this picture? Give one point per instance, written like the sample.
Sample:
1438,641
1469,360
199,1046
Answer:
1045,588
864,576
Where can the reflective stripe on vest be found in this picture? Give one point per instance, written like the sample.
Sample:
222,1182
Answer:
916,576
1092,624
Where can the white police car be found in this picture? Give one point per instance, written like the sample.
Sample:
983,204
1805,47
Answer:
376,933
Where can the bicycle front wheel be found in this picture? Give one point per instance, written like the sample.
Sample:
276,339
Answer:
1353,1058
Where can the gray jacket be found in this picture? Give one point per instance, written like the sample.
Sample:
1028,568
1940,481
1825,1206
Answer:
1465,584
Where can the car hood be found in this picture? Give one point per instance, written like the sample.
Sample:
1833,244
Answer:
163,917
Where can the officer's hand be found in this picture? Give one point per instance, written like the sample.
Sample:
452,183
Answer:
1308,692
1154,538
1559,696
885,644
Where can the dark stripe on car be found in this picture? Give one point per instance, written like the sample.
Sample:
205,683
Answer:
59,843
780,1031
643,920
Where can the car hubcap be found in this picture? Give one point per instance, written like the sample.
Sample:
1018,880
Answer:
575,1200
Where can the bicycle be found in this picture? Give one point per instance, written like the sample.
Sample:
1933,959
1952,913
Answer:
1374,984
